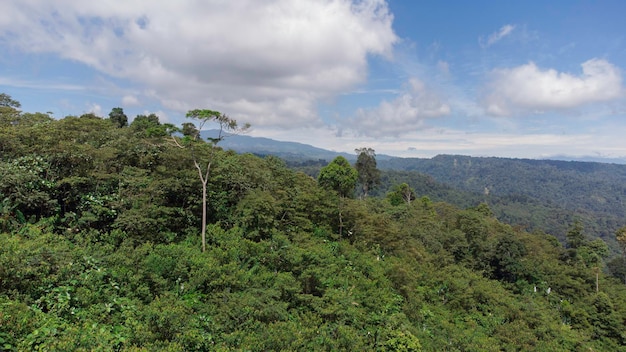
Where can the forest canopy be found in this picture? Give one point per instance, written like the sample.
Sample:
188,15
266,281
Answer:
101,249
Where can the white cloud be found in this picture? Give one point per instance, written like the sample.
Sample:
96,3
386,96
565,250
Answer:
408,112
130,100
497,36
39,85
266,62
163,116
95,109
528,88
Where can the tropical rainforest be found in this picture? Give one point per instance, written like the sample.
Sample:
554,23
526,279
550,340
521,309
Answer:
140,236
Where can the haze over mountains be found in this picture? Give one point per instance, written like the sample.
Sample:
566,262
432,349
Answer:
295,150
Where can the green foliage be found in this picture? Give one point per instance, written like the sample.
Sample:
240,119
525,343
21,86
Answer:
8,102
401,193
149,126
27,185
256,214
547,195
118,117
369,175
99,251
225,123
575,235
190,130
339,176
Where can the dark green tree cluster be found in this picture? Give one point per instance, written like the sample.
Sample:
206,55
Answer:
101,249
369,175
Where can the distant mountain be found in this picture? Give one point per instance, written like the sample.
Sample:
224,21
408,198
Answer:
537,194
290,151
543,194
593,159
294,151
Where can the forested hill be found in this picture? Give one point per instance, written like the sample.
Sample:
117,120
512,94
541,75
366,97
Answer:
573,184
289,151
101,249
549,194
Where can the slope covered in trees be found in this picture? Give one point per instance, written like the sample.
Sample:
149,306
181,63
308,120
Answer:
539,194
546,195
100,249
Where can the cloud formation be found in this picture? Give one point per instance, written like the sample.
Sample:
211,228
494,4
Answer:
406,113
130,100
528,88
495,37
266,62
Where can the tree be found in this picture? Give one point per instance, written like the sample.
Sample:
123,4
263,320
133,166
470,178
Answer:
575,235
369,175
118,117
226,125
339,176
145,121
401,193
29,119
190,130
9,110
506,260
150,126
8,102
617,266
592,253
620,236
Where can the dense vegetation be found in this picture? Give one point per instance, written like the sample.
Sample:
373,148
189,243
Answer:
100,249
537,194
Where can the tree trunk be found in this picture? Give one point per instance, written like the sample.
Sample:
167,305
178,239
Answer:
340,217
204,216
204,179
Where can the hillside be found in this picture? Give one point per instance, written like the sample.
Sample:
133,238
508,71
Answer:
289,151
100,249
546,194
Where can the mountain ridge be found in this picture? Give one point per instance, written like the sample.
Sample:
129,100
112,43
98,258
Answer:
548,194
296,150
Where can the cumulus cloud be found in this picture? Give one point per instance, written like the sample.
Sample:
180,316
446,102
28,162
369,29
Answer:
497,36
528,88
407,112
266,62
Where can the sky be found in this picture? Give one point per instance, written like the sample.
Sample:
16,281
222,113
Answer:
521,79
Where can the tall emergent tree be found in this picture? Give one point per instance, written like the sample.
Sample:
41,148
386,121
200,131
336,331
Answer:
339,176
575,235
118,117
192,136
369,175
9,110
8,102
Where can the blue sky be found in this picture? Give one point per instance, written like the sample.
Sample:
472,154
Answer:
530,79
